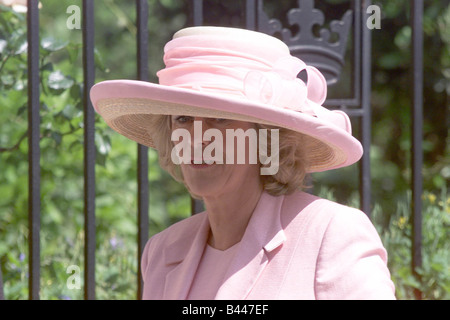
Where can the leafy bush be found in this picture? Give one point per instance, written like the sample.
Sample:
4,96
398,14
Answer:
62,221
433,278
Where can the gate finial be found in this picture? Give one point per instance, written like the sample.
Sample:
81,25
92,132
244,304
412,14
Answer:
319,51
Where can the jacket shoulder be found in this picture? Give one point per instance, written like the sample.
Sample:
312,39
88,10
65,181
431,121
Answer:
310,215
343,247
322,210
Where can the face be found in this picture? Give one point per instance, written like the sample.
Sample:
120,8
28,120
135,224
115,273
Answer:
209,178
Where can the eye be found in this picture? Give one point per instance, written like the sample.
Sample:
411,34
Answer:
183,119
221,120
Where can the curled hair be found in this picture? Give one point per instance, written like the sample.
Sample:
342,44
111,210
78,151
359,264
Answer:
292,161
161,136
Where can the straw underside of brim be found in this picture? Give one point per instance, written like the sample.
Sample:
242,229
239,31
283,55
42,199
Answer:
132,117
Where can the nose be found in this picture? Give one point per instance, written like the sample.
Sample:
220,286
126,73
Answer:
197,142
200,126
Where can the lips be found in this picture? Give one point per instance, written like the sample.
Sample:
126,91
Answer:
200,166
202,161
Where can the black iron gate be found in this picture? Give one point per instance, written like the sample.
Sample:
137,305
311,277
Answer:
316,51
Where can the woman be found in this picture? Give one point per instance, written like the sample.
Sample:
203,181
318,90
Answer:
260,236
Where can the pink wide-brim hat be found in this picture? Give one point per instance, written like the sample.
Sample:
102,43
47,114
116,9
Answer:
238,74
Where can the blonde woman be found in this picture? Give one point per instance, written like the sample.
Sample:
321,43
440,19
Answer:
261,236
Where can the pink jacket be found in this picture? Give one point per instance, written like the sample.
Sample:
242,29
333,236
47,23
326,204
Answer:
295,247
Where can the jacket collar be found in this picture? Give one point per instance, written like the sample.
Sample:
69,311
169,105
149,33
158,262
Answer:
264,234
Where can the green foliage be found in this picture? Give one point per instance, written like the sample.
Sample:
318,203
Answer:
433,278
62,221
62,193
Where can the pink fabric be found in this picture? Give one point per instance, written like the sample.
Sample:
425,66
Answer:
210,273
295,247
333,127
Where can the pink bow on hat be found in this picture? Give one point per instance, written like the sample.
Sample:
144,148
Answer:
282,88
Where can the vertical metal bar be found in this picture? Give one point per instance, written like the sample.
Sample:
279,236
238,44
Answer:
196,206
357,49
366,118
250,14
142,161
89,151
198,12
416,134
34,152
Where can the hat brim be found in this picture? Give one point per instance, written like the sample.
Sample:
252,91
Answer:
126,106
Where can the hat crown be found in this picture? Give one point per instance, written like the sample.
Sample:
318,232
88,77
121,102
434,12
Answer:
241,63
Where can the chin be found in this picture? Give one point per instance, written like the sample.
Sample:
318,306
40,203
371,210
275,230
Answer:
203,189
202,182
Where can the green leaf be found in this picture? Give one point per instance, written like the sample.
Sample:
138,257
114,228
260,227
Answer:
70,112
18,43
391,60
3,45
57,137
103,143
76,92
73,50
22,109
47,67
7,79
99,60
21,48
51,44
437,267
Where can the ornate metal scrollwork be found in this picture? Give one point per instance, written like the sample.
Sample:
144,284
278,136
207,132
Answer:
319,51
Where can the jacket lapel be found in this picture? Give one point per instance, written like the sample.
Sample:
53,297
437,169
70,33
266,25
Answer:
264,234
187,252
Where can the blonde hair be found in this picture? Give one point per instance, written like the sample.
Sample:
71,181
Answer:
292,161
